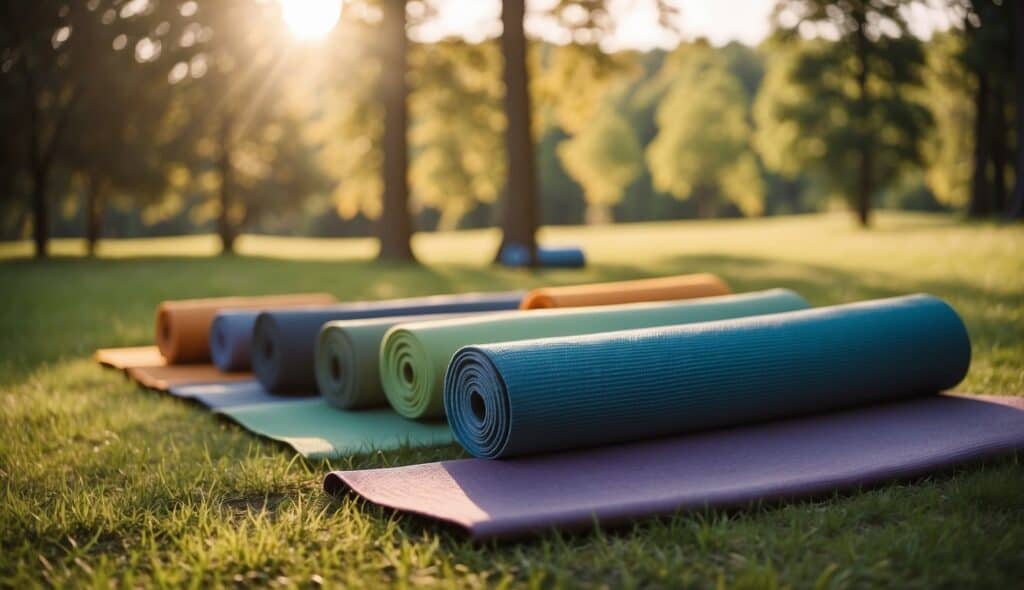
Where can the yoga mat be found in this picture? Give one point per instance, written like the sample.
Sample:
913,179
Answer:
231,339
660,289
516,255
164,377
224,395
183,326
347,359
132,356
798,458
284,341
414,357
318,431
639,384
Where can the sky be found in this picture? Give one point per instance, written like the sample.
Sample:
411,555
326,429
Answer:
720,21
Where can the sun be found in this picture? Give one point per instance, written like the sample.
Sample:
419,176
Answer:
310,19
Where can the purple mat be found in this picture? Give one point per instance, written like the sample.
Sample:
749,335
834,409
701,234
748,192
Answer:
723,468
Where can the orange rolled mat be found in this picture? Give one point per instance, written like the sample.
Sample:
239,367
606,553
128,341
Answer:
660,289
183,327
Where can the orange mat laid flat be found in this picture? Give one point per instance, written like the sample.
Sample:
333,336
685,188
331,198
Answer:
168,376
660,289
183,327
133,356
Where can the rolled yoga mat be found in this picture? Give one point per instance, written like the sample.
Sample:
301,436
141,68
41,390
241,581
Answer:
732,468
659,289
183,327
639,384
318,431
284,341
547,256
348,359
414,357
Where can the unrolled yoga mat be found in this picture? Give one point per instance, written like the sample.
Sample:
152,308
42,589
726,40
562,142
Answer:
224,395
659,289
164,377
183,326
284,341
132,356
318,431
414,357
638,384
348,359
797,458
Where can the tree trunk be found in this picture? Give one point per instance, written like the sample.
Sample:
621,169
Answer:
41,211
395,224
1016,210
94,210
705,202
225,228
865,172
999,150
519,215
980,203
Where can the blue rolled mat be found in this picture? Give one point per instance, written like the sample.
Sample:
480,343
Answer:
231,339
284,341
547,256
552,394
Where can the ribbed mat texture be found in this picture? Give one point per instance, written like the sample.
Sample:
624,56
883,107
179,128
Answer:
284,342
413,357
554,394
802,457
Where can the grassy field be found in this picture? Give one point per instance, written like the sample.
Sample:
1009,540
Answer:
105,484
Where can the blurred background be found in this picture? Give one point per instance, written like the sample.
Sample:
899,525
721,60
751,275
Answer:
132,118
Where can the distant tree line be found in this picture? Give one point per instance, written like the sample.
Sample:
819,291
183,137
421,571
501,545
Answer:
135,117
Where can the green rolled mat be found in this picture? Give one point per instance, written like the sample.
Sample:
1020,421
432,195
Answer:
348,359
413,357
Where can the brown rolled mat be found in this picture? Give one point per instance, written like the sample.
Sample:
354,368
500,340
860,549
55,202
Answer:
658,289
183,327
132,356
165,377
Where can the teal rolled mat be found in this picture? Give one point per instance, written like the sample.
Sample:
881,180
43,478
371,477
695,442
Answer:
413,357
348,359
553,394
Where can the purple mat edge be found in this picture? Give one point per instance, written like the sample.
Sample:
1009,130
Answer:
338,482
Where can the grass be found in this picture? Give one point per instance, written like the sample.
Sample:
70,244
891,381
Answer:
104,484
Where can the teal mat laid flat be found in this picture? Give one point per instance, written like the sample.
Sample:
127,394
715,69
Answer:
552,394
319,431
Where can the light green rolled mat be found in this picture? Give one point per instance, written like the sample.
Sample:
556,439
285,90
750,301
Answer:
413,357
347,359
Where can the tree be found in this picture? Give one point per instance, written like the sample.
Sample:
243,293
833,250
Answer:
457,127
49,50
603,158
1017,203
854,115
520,212
395,221
702,149
948,145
